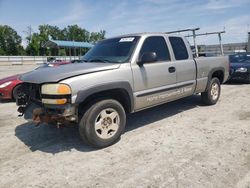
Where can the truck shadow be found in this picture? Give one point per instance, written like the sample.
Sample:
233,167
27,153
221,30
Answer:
50,139
160,112
6,100
235,82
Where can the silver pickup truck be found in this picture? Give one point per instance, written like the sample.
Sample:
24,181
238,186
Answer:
117,76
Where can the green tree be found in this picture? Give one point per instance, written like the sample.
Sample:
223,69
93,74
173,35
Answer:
62,52
36,41
10,41
96,36
34,47
48,30
75,33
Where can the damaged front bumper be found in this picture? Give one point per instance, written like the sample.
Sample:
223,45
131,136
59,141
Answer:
34,110
48,114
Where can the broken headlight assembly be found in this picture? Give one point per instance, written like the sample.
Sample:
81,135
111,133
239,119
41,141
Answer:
55,93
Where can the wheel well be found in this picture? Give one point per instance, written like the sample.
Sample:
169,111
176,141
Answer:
121,95
219,74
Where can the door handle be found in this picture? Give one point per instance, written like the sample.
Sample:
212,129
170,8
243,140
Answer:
171,69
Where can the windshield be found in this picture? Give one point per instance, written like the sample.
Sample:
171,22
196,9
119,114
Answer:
116,50
239,58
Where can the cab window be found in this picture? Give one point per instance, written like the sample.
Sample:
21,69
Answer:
158,45
179,48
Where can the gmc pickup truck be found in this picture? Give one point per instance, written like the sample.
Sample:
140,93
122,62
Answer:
117,76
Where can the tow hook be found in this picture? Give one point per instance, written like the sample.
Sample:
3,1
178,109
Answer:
39,116
37,113
21,110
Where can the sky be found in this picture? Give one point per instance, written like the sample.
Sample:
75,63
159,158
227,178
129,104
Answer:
131,16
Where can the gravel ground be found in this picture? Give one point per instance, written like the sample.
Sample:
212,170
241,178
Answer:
180,144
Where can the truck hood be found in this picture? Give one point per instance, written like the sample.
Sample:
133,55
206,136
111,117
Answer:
55,74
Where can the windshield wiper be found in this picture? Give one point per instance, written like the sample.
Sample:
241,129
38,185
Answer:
83,60
100,60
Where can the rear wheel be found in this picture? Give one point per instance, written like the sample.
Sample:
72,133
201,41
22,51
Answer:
212,95
103,123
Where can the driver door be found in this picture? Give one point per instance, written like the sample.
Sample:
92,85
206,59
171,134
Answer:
154,82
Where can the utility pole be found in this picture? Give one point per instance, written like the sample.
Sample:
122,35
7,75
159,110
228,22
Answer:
194,37
29,33
248,43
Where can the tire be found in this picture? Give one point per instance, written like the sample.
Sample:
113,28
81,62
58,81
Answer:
15,92
103,123
248,80
212,95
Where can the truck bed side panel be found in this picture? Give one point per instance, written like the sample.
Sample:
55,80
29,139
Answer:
205,68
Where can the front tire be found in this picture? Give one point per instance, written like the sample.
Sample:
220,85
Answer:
212,95
103,123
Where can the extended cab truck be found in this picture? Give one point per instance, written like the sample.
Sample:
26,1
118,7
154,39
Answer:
117,76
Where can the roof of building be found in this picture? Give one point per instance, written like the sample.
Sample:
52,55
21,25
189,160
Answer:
70,44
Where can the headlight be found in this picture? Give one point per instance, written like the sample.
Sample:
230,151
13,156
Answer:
55,93
242,69
5,84
56,89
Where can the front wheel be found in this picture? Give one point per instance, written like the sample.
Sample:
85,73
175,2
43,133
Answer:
212,95
103,123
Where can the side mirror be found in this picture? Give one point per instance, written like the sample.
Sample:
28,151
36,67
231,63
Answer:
147,57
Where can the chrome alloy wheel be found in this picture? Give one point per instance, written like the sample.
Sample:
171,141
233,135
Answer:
215,91
107,123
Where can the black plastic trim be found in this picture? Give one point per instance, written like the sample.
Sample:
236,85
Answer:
45,96
213,71
83,94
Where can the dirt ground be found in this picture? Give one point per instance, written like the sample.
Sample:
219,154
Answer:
15,69
180,144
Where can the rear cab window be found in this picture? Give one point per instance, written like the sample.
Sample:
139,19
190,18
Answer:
158,45
179,48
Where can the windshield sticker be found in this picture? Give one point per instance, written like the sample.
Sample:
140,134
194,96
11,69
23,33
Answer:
128,39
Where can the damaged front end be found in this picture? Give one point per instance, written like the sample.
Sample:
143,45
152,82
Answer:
48,103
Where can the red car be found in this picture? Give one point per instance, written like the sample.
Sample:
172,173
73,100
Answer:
9,87
58,63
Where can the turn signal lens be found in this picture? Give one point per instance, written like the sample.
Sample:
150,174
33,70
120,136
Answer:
61,101
63,89
54,101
